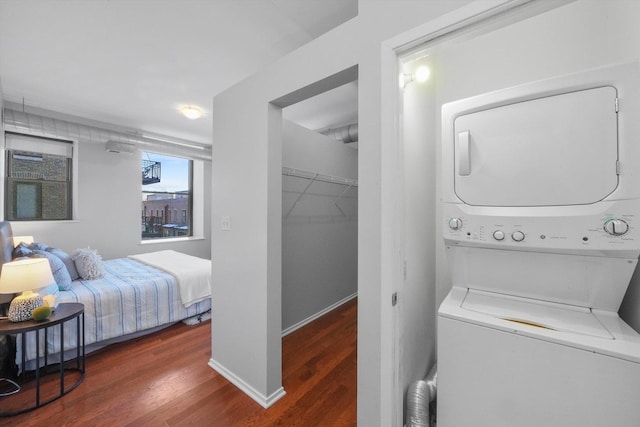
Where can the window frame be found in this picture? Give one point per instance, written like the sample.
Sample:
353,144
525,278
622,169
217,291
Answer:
15,144
160,213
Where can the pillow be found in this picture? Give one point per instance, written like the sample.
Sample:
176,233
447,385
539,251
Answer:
88,263
51,289
60,273
21,250
67,260
35,246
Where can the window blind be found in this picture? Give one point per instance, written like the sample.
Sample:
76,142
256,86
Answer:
55,147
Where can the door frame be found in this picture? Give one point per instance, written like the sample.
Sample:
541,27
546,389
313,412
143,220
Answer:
478,15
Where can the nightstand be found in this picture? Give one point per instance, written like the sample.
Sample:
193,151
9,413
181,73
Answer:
39,385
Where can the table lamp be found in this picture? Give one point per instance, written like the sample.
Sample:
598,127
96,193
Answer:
24,275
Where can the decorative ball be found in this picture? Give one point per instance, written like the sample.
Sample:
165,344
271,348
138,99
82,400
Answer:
22,307
41,313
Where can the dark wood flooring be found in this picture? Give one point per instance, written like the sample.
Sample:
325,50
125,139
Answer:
164,380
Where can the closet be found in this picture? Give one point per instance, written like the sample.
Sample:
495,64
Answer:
319,224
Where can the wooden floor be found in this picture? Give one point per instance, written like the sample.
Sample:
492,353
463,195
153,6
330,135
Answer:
164,380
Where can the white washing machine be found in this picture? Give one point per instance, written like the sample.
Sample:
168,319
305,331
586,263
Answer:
541,203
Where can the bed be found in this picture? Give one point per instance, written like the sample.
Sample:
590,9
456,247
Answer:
135,296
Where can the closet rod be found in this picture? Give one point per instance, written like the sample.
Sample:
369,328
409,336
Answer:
313,176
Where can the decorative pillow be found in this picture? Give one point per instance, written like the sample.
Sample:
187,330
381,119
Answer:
35,246
88,263
21,250
60,273
51,289
67,260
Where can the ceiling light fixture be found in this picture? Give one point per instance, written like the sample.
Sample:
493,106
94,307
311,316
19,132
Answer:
191,112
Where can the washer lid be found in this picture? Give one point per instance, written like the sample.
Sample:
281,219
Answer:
549,151
542,314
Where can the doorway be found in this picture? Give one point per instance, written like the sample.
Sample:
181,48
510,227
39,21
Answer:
319,205
487,56
319,238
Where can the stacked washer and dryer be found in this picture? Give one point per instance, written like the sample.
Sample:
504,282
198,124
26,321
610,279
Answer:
541,204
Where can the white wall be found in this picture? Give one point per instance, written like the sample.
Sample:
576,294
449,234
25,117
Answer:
247,188
108,209
578,36
417,295
319,239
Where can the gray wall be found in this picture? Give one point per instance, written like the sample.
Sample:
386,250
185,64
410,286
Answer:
319,240
3,297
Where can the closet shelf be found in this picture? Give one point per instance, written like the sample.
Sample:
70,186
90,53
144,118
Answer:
313,176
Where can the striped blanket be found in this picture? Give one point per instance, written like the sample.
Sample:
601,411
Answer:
131,297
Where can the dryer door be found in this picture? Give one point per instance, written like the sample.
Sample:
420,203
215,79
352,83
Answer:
550,151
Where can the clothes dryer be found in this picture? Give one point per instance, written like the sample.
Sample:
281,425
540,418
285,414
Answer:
541,203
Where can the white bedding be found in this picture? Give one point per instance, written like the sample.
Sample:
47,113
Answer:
193,274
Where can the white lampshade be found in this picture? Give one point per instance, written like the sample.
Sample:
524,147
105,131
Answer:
25,275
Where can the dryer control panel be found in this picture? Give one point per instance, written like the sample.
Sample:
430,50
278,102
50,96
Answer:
614,229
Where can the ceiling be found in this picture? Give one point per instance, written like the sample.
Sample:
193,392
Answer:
331,109
134,63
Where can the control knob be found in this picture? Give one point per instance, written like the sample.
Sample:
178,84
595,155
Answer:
517,236
498,235
616,227
455,223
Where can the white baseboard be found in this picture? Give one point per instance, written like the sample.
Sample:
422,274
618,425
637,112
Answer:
321,313
262,400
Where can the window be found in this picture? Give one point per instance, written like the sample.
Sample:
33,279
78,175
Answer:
167,186
38,178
